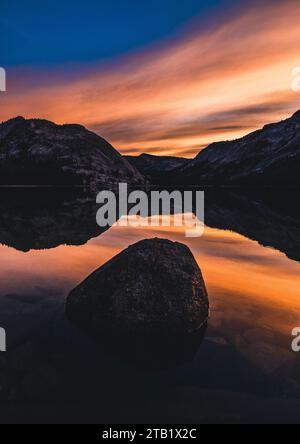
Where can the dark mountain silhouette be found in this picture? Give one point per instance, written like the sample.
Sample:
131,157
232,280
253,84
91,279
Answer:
267,157
39,152
155,167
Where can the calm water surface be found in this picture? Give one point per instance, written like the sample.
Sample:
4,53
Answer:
242,369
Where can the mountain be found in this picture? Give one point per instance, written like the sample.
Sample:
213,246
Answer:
267,157
39,152
155,167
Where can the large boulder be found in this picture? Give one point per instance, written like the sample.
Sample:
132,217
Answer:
154,286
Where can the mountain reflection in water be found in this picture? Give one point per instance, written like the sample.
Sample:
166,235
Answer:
51,243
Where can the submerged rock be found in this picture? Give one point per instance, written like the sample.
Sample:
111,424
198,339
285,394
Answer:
154,286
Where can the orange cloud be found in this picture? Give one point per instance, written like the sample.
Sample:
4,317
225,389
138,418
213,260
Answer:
216,82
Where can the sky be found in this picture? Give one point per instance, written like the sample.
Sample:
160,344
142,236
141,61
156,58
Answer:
162,76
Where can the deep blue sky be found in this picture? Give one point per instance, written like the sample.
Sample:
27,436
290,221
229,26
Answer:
35,32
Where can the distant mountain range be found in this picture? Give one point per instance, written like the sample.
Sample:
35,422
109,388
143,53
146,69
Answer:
267,157
39,152
155,166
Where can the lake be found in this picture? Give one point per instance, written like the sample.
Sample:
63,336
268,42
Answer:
240,369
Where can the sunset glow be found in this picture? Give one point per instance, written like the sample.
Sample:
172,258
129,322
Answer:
246,278
139,288
210,83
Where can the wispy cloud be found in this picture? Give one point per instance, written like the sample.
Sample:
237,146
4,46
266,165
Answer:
218,81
